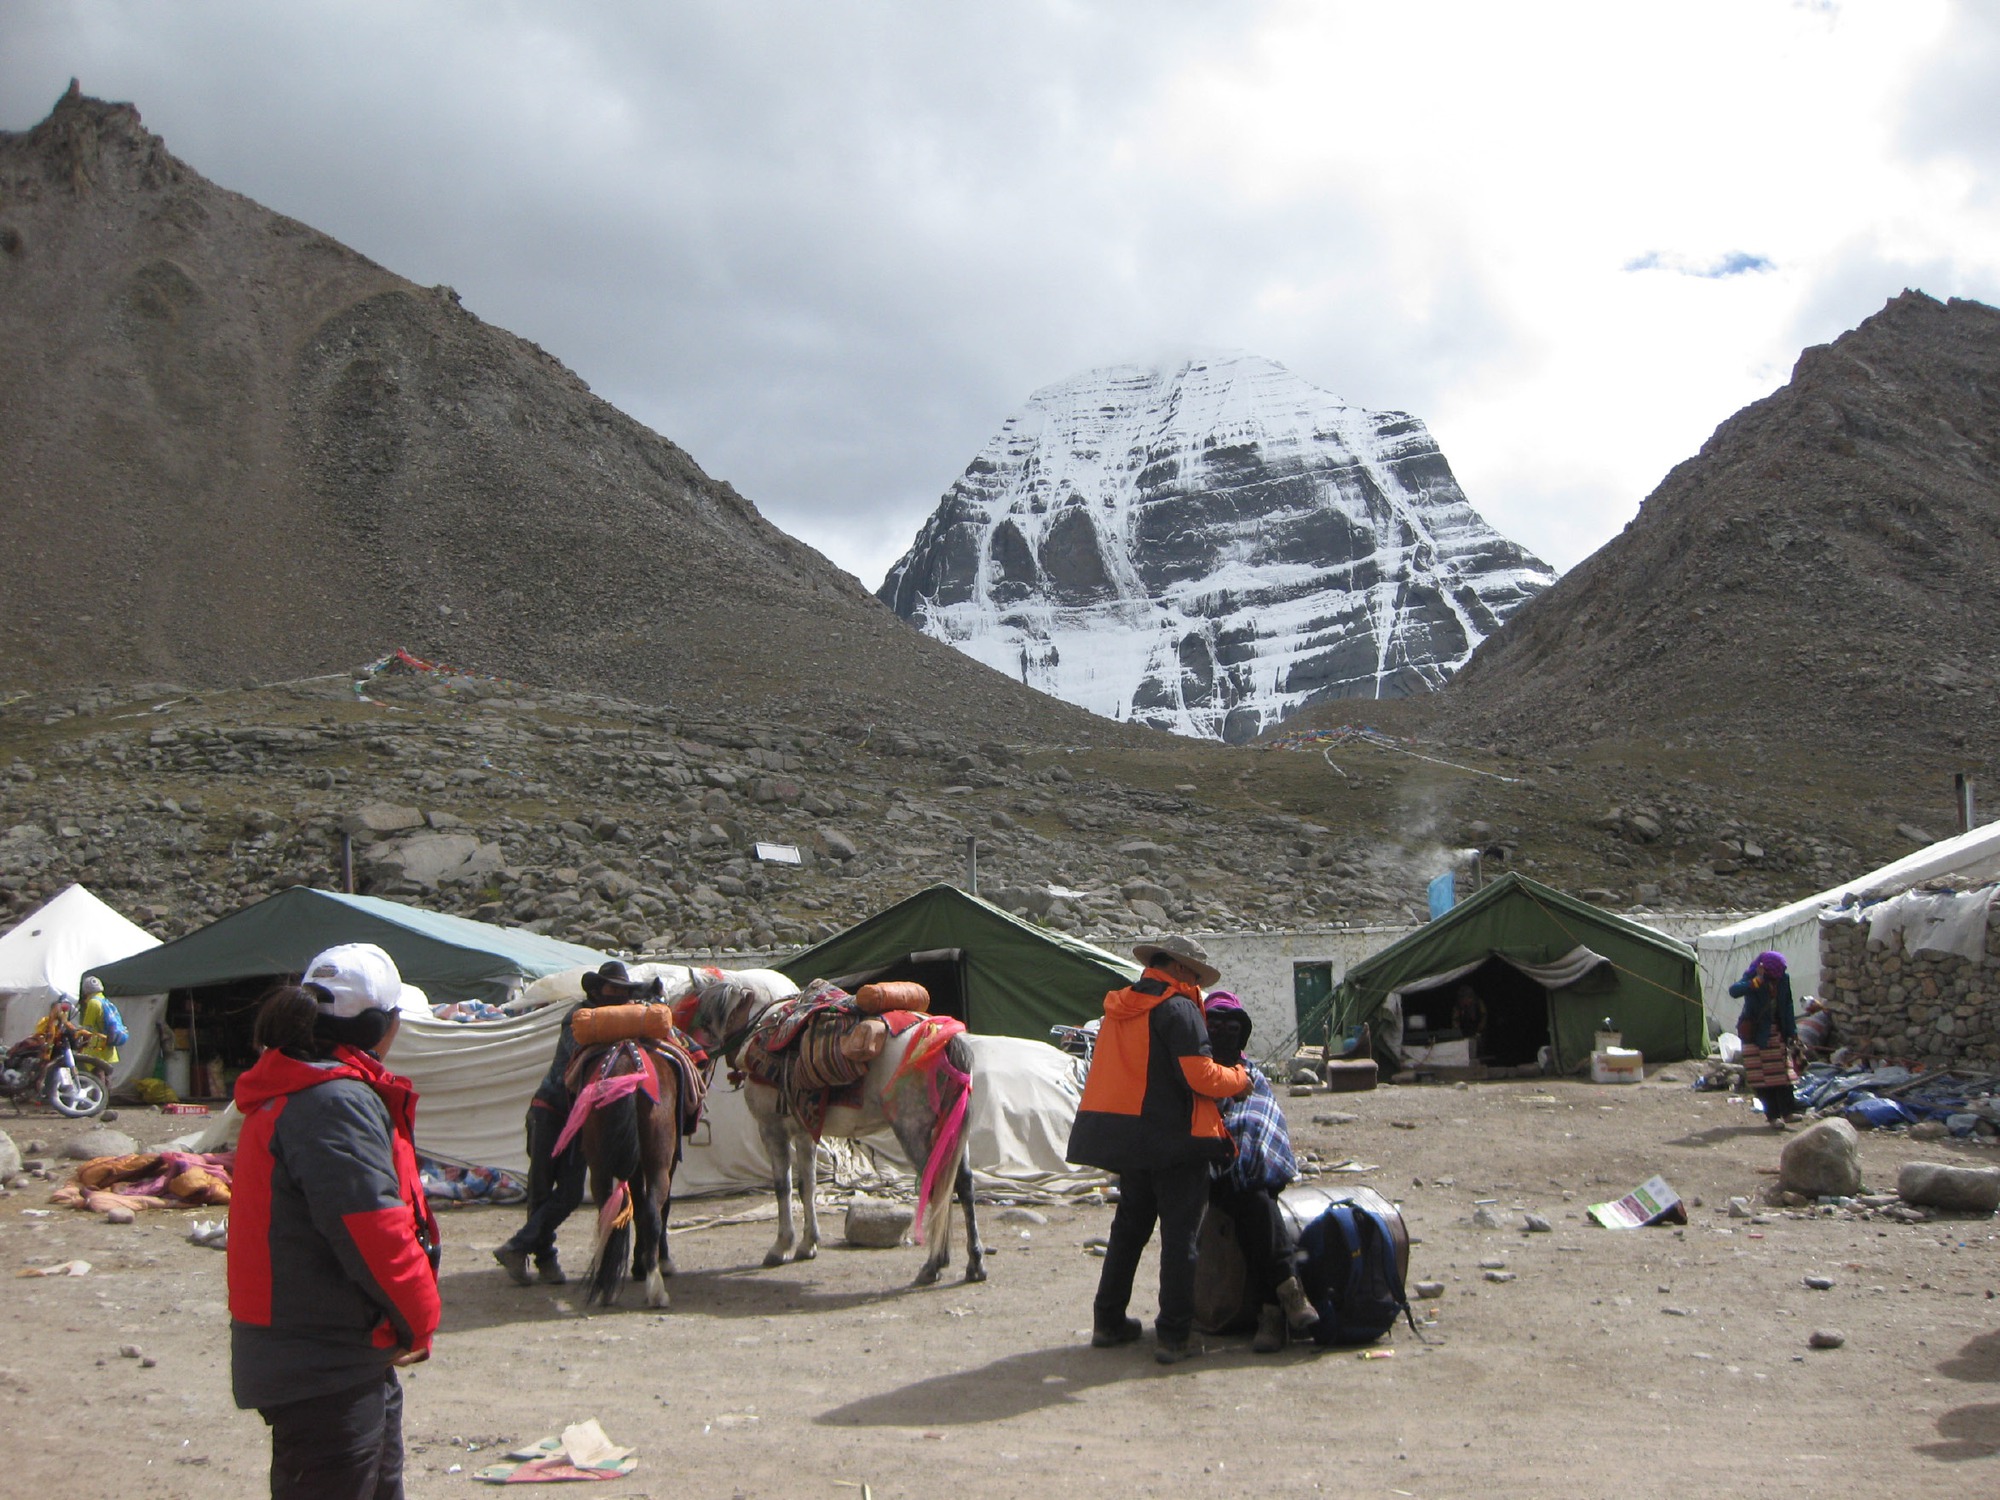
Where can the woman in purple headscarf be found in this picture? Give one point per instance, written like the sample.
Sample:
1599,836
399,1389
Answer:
1766,1029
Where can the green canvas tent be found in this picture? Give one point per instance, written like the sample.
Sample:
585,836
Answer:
448,958
999,975
1548,970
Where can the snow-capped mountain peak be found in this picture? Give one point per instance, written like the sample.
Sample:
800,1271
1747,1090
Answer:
1207,546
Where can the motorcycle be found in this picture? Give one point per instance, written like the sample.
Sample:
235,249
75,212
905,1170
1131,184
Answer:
57,1071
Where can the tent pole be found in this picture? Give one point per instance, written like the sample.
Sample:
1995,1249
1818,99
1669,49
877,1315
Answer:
971,865
347,863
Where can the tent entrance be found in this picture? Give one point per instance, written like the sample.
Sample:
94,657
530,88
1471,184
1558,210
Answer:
1515,1007
939,970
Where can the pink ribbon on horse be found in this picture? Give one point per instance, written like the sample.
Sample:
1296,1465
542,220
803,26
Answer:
927,1054
601,1091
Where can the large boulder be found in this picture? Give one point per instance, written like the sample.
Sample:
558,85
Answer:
876,1224
1822,1161
98,1141
1934,1184
379,819
429,860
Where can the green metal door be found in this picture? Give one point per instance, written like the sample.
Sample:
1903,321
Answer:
1312,986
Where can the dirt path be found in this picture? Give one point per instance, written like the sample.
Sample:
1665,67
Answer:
1574,1379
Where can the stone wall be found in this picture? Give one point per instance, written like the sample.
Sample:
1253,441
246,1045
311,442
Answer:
1935,1009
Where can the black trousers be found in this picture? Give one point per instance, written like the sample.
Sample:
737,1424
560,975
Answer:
555,1185
1173,1197
346,1446
1269,1256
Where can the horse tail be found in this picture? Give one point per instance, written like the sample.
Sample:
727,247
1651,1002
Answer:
953,1081
614,1247
618,1137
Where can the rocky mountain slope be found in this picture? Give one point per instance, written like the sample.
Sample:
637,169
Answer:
1207,547
626,826
1815,587
236,450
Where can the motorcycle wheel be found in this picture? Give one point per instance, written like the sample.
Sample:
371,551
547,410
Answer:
77,1093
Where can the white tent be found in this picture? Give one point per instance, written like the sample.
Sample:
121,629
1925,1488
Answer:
1794,930
50,950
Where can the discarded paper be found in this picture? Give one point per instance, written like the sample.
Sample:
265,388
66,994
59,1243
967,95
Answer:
1651,1202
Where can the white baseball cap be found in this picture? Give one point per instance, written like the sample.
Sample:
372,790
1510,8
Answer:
357,977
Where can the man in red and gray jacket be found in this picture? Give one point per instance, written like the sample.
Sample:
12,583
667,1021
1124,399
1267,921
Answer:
1149,1114
332,1246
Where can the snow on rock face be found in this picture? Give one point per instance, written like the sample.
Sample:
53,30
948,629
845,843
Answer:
1208,547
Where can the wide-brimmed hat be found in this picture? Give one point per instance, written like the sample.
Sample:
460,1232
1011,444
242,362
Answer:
1186,950
613,984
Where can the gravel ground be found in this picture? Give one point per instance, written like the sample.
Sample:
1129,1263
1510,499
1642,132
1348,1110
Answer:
1642,1362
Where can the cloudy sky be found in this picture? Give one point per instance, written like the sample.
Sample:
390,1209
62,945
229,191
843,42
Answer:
829,245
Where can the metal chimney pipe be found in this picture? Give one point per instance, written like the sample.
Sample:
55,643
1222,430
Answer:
1961,785
971,865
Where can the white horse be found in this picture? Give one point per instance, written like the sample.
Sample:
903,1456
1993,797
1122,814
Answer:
926,1106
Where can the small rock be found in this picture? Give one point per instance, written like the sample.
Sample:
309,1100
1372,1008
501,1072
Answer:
1482,1218
1303,1091
1928,1130
1930,1184
131,1351
1536,1224
1675,1312
1826,1338
1335,1117
1493,1263
1739,1208
876,1224
1021,1216
147,1362
1820,1283
1429,1290
1501,1276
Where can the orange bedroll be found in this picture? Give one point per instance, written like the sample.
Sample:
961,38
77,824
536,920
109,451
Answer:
618,1023
893,994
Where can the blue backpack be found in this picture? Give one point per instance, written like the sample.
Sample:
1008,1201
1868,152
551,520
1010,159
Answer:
1353,1273
114,1024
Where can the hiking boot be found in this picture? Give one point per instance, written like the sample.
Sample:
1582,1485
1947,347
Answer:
1299,1311
1127,1332
515,1264
1270,1330
1172,1351
549,1271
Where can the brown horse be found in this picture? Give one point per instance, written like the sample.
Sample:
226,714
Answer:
631,1138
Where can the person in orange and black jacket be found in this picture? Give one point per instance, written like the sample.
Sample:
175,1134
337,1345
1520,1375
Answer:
1149,1114
333,1251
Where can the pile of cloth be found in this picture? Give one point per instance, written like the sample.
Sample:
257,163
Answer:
120,1186
1890,1095
448,1182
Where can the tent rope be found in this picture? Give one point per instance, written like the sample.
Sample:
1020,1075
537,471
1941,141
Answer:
1616,966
